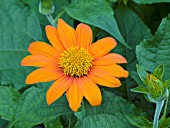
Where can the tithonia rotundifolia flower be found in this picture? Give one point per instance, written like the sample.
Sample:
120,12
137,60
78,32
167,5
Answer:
75,64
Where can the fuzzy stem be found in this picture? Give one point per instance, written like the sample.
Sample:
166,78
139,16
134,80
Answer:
51,20
159,106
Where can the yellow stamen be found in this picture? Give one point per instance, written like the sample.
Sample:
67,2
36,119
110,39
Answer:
75,62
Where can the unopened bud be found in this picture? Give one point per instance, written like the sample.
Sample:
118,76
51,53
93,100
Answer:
46,7
155,87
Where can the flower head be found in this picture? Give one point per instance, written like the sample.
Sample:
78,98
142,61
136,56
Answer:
75,63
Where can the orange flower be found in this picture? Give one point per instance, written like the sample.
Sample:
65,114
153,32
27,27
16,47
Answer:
75,63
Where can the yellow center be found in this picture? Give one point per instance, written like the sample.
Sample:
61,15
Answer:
75,62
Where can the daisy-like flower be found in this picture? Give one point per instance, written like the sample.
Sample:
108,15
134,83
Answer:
75,64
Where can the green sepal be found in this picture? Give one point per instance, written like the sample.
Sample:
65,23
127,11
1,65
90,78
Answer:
159,71
142,74
167,83
140,89
136,77
46,7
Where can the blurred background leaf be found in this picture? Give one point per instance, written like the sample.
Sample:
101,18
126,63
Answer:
3,123
150,1
151,14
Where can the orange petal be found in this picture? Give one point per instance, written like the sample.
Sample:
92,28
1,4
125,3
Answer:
84,35
40,61
115,70
110,59
91,91
102,47
75,94
67,34
53,37
58,88
40,48
103,78
44,75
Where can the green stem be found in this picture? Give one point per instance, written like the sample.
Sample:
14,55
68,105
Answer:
69,125
59,15
51,20
166,105
159,106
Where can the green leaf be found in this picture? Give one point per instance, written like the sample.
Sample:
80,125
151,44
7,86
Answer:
139,122
53,124
133,30
19,27
130,25
3,123
151,53
89,12
142,74
139,89
110,114
68,120
9,98
164,123
167,83
113,1
150,1
10,70
159,72
38,111
30,108
146,11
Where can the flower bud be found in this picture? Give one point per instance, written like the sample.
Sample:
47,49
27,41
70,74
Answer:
46,7
154,86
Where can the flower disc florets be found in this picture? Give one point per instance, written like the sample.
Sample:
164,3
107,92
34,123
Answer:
75,62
